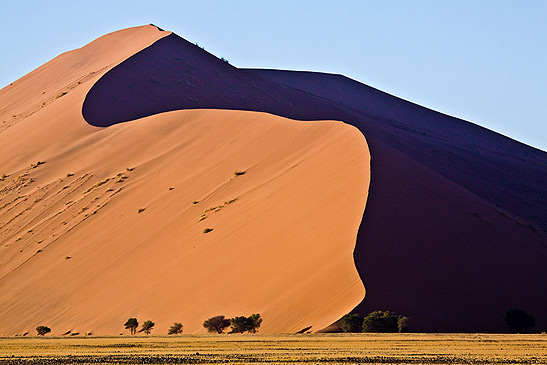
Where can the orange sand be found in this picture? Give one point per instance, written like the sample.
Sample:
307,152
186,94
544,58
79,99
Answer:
77,255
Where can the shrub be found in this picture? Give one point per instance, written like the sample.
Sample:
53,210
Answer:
241,324
253,323
207,230
42,330
132,325
216,324
351,323
402,324
239,173
238,324
175,329
518,321
141,210
379,321
147,327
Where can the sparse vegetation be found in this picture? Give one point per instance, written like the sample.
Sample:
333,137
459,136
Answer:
147,327
141,210
242,324
175,329
216,324
195,202
207,230
351,323
402,324
379,321
132,325
518,321
239,173
239,324
42,330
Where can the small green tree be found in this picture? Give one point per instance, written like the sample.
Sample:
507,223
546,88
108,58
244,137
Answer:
239,324
42,330
132,324
175,329
253,322
379,321
147,327
216,324
518,321
351,323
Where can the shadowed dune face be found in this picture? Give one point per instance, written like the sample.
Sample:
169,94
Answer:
455,219
173,74
494,167
149,218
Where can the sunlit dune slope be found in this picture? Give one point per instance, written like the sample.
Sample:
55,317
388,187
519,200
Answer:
101,224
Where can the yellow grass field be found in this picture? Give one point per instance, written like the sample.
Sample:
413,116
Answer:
286,349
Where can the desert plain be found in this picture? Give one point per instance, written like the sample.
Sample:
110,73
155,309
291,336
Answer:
409,348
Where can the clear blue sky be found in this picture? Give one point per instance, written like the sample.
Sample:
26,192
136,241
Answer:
483,60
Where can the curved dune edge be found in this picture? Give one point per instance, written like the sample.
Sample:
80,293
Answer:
77,255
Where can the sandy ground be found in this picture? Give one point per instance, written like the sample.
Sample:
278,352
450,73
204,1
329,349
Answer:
292,349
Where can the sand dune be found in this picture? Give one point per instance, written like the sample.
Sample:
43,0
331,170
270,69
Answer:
100,224
453,234
456,213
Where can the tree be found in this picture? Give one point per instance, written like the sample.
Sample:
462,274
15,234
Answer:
216,324
379,321
402,324
42,330
132,324
147,327
239,324
175,329
253,323
519,321
351,323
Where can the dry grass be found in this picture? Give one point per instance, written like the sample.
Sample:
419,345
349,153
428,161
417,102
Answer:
287,349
